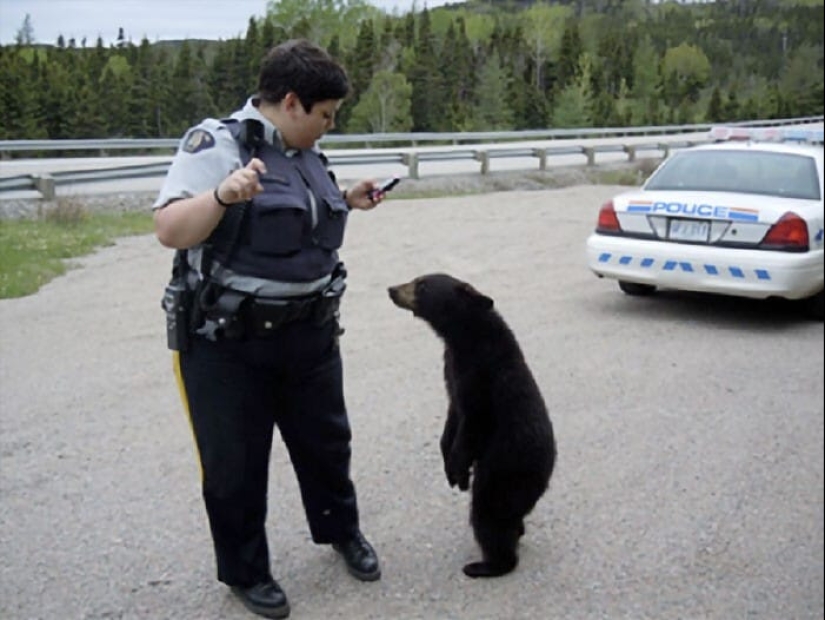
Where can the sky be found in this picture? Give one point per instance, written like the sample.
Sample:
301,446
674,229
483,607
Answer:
155,19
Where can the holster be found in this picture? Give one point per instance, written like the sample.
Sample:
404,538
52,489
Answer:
177,304
217,313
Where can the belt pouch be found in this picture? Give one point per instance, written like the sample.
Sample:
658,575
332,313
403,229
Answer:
267,315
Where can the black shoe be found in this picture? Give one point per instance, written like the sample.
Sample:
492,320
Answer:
360,557
265,599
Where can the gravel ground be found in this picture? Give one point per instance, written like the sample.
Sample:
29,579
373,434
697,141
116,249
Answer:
690,475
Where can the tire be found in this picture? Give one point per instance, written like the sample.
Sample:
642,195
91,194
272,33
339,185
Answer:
637,290
814,306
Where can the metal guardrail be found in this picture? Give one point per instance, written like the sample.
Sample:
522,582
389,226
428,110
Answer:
46,184
414,139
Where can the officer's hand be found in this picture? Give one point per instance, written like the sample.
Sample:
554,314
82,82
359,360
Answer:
243,183
363,196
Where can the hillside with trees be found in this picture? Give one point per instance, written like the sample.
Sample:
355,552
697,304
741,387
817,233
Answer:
478,65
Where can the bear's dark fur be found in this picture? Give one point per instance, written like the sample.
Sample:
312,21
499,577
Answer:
497,422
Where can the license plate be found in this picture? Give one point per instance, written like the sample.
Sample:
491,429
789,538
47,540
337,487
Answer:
689,230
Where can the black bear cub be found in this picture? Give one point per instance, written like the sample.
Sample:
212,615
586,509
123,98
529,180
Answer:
497,423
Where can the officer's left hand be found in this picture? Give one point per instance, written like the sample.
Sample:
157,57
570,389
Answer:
363,196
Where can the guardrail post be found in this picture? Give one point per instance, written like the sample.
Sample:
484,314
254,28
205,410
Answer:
631,152
542,155
411,161
590,153
45,185
484,158
665,149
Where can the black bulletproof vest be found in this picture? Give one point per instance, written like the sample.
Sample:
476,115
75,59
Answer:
279,235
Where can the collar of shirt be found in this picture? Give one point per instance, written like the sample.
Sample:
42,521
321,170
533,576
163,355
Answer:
271,133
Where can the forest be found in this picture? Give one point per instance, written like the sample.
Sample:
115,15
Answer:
480,65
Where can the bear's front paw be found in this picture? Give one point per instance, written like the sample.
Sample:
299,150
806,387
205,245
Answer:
450,478
456,476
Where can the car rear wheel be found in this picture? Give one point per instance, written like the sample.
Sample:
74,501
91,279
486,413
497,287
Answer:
814,306
637,290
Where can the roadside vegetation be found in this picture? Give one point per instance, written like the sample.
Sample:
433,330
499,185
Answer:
35,251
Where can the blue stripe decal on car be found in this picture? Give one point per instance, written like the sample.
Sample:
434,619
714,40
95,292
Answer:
685,266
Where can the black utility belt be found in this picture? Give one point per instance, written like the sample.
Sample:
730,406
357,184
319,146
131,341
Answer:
226,314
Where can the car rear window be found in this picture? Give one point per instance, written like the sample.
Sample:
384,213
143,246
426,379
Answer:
751,172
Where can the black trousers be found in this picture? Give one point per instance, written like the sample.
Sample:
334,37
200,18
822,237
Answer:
236,392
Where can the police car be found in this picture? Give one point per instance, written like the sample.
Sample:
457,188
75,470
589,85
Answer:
741,215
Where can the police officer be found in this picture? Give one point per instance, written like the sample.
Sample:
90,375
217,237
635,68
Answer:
257,220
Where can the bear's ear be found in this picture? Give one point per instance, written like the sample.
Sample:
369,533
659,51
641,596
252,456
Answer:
476,299
484,302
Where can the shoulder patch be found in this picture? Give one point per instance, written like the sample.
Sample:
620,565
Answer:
198,140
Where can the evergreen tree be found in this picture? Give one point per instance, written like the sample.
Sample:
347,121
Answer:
141,106
362,61
56,100
574,103
116,80
457,74
569,54
18,99
424,78
492,111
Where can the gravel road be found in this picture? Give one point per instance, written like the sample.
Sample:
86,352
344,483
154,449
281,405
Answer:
690,476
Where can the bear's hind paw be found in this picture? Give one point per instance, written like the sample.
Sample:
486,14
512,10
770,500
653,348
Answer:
488,569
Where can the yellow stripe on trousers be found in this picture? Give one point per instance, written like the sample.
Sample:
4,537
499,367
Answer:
185,400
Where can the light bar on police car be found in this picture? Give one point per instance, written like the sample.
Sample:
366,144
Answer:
722,133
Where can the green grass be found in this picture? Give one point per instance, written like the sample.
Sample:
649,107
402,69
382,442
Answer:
34,251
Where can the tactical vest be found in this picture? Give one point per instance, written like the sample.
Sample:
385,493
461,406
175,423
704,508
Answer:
282,234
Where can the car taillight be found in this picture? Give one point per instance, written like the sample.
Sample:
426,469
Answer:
608,222
789,234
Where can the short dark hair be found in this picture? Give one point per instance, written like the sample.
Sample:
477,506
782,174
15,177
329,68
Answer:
304,68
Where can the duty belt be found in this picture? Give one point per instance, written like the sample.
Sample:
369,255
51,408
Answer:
228,314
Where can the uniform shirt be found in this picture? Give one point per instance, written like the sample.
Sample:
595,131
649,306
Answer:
206,155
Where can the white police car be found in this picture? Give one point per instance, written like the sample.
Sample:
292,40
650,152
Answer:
740,216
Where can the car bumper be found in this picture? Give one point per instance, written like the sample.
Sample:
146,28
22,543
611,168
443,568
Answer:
728,271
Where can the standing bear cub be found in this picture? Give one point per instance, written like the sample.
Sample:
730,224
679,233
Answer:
497,423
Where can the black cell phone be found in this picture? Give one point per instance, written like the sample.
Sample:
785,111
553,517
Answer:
385,186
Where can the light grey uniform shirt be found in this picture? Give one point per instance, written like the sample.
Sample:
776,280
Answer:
206,155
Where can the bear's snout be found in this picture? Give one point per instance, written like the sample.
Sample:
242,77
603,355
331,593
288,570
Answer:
403,295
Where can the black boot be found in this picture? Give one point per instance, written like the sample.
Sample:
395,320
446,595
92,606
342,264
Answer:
265,599
360,557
